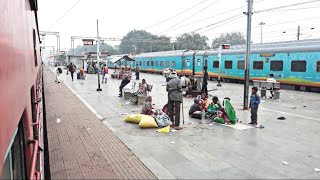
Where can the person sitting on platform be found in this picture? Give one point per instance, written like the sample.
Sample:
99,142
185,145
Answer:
192,83
141,91
147,107
204,98
271,79
124,82
213,107
195,110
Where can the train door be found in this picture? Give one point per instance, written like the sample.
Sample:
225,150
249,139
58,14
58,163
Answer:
198,64
184,65
205,60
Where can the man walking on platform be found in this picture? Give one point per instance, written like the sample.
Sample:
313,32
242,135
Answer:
204,88
174,100
72,69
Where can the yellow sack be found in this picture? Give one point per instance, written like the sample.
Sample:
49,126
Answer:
164,130
147,122
135,118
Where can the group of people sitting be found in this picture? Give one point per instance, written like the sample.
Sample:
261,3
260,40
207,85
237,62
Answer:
122,72
219,113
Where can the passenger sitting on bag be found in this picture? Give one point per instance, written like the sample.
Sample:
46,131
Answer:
213,107
147,107
195,110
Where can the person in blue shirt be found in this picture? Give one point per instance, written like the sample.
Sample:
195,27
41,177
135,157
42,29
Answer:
254,105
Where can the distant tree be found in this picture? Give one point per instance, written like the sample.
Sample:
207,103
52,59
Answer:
141,41
192,41
80,50
233,38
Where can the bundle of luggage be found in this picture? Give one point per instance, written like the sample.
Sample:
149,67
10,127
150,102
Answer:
157,119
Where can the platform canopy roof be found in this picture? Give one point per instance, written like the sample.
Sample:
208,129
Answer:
121,60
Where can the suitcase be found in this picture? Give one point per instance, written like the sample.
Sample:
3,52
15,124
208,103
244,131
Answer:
78,75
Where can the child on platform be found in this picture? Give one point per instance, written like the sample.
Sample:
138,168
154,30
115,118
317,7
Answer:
254,105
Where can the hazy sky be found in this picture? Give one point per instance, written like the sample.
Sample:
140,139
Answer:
118,17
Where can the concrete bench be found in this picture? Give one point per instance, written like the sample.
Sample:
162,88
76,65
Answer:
264,86
128,90
142,97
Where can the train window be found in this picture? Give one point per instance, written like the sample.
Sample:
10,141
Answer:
258,65
298,66
34,47
157,63
318,66
152,63
14,164
144,63
215,64
276,65
140,63
148,63
161,63
184,63
199,62
228,64
241,64
173,63
167,63
188,62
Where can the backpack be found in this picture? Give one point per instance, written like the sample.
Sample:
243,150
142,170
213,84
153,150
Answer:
60,70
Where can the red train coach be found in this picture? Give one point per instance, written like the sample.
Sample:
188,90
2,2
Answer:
21,140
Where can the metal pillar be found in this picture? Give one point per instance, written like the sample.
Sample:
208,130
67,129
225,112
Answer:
247,62
219,56
98,51
298,34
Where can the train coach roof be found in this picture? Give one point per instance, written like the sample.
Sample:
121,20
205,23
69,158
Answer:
275,47
295,43
162,53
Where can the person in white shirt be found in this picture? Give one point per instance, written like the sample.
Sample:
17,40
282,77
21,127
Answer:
271,79
184,81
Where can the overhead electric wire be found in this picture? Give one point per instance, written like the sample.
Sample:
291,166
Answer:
291,5
294,9
73,6
216,23
208,18
215,16
176,15
188,17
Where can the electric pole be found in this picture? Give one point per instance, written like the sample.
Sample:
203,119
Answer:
247,62
298,34
98,52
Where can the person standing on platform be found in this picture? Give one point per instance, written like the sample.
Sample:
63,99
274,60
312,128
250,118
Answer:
58,72
205,81
174,100
105,73
72,69
137,73
271,79
254,105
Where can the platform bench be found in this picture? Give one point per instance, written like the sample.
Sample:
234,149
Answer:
264,86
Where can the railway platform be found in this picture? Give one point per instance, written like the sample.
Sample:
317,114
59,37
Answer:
284,149
79,145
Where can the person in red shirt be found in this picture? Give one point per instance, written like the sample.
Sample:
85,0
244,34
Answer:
105,73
